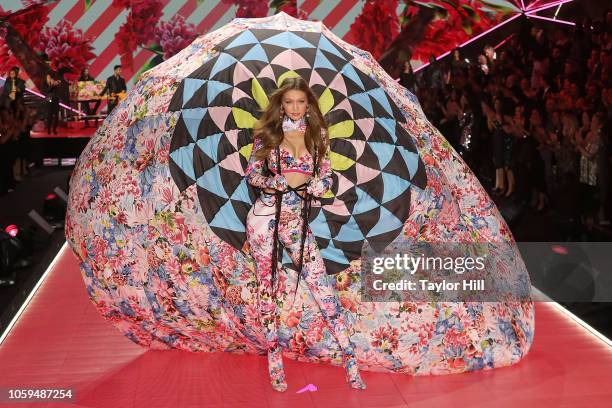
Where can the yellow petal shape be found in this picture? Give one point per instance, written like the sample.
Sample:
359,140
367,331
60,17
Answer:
288,74
328,194
342,129
326,101
246,150
340,162
259,94
243,118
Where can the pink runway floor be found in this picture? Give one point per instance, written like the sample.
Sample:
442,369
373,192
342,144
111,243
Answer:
60,341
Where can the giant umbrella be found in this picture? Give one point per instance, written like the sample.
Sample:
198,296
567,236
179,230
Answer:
158,202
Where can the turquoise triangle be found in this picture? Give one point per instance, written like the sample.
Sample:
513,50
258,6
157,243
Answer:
349,71
226,218
386,222
246,37
321,61
320,227
241,193
383,151
190,86
411,159
393,186
211,181
288,39
192,119
223,61
350,232
256,53
326,45
214,89
209,145
364,101
183,157
364,203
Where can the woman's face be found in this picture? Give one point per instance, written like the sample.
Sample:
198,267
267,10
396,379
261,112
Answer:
295,103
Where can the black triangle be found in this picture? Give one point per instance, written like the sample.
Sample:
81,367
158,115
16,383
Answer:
380,134
264,33
400,205
210,203
369,158
378,109
352,250
374,187
349,198
344,147
201,162
332,267
176,103
397,166
204,71
181,179
181,136
336,61
335,221
368,82
234,238
358,111
239,51
367,220
198,100
380,242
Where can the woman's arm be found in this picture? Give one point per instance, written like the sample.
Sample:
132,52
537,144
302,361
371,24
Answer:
255,174
321,183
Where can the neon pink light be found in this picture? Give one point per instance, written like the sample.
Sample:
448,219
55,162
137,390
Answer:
33,92
550,19
547,6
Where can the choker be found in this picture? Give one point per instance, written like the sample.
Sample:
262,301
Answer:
291,125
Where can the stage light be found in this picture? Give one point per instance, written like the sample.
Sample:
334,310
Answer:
12,230
15,253
54,209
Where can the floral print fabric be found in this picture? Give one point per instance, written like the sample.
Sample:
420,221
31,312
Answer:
153,267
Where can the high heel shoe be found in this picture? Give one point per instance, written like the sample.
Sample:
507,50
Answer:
352,371
276,370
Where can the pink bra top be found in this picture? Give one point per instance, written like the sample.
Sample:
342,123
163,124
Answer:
289,164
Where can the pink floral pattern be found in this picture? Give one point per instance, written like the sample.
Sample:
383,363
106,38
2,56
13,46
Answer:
155,270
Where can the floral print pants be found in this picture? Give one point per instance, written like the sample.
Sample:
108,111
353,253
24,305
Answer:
260,232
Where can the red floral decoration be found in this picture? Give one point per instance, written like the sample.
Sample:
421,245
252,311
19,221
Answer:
174,35
453,24
139,27
67,49
29,26
376,26
290,7
250,8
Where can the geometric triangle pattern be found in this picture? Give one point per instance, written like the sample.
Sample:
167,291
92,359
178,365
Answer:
371,153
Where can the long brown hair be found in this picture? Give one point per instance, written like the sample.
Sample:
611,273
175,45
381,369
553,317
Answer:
269,127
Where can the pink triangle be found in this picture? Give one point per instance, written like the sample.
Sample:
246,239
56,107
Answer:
238,93
219,115
267,72
232,163
241,73
359,145
343,184
290,59
365,173
315,79
338,84
344,105
366,125
338,207
232,136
